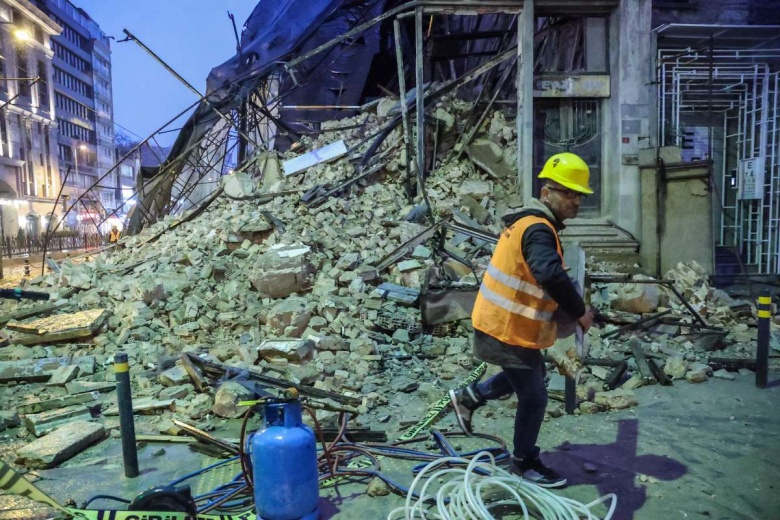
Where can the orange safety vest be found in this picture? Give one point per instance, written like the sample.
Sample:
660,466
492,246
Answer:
112,236
511,306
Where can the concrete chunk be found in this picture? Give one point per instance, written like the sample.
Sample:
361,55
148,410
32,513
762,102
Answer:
227,398
174,376
295,350
41,423
616,399
64,374
60,445
8,419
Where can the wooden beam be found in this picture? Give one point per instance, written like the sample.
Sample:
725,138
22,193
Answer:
28,312
641,361
57,402
194,372
39,370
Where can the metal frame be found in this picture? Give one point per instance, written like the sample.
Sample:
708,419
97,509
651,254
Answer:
733,90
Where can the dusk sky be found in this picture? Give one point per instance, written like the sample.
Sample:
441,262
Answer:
192,36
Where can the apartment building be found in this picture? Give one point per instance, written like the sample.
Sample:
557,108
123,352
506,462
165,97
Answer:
29,178
84,113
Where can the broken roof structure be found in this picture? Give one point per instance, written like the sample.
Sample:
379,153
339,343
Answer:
601,83
342,255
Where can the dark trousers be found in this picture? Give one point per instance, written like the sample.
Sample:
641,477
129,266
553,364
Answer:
528,386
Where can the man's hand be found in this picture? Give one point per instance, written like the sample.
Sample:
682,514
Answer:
586,320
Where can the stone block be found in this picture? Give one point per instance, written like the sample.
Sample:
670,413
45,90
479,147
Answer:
295,350
176,392
238,185
64,374
174,376
289,317
9,419
282,271
638,298
41,423
60,445
616,399
227,398
675,367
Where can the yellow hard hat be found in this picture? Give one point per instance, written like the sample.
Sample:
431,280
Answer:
569,170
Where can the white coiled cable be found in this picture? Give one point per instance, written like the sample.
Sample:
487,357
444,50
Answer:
467,491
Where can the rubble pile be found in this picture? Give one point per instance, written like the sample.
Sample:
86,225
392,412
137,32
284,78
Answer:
683,322
295,291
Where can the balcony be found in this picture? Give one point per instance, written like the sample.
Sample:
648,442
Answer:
102,93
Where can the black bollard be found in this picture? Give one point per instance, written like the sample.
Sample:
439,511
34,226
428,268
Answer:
126,424
26,267
762,347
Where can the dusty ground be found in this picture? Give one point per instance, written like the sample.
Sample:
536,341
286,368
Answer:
708,451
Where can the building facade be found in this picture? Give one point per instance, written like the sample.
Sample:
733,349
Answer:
29,169
84,113
674,106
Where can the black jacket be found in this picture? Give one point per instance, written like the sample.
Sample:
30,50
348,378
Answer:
541,255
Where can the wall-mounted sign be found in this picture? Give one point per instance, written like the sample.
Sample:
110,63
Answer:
572,85
751,179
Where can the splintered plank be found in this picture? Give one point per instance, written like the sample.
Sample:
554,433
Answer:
61,445
36,339
641,361
146,406
56,403
29,312
37,370
41,423
80,387
62,323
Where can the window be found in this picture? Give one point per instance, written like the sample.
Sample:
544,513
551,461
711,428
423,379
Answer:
43,87
27,182
23,71
675,4
5,145
571,45
3,84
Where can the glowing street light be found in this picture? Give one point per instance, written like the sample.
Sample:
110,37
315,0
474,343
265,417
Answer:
23,35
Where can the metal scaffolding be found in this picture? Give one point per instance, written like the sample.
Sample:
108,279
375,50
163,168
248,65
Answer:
719,97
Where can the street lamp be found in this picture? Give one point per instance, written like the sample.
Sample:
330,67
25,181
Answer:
82,146
23,35
20,33
76,159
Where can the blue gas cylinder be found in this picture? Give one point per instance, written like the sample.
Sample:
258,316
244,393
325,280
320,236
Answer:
284,465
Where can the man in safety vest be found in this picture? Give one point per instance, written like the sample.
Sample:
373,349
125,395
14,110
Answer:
113,236
523,286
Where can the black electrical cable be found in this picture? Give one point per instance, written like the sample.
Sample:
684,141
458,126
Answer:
104,497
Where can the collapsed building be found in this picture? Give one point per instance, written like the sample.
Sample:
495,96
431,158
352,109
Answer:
341,255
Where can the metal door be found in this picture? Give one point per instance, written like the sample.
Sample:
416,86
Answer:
570,125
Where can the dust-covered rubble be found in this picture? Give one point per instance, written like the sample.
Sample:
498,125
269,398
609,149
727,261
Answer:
260,279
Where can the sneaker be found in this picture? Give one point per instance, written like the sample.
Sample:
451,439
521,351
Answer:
535,471
464,401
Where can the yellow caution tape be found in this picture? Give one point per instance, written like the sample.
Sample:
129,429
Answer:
766,300
100,514
14,482
434,413
121,367
439,406
353,464
764,314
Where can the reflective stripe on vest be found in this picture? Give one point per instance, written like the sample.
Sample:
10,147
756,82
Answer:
514,307
517,283
511,306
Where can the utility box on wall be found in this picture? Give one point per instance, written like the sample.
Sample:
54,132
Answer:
676,210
